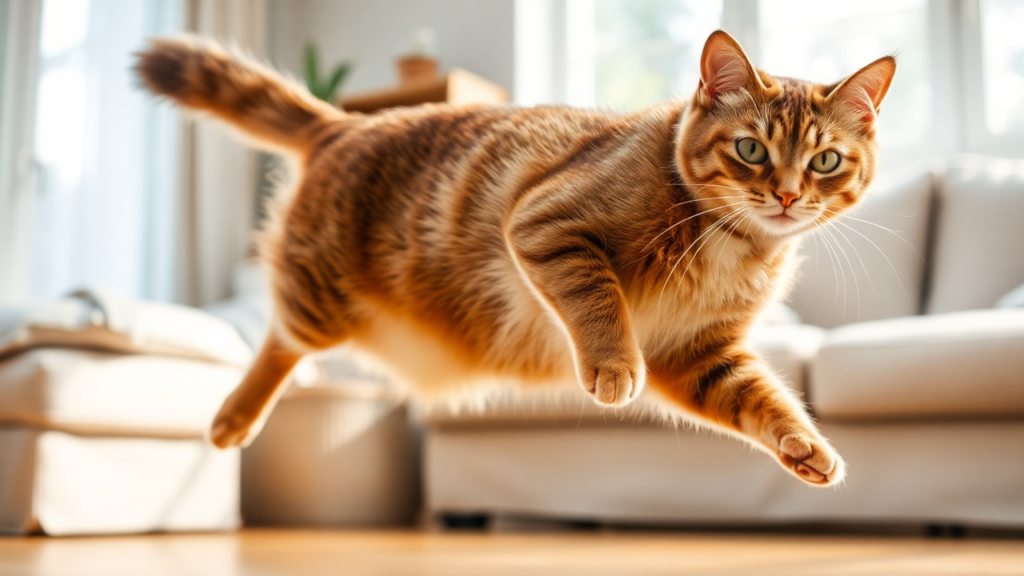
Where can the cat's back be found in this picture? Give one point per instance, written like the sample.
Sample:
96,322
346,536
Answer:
412,185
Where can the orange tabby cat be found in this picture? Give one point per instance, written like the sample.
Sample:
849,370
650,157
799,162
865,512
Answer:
545,244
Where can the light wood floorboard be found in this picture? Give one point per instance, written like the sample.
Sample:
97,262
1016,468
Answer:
299,552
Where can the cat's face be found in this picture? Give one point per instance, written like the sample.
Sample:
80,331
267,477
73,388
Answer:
775,155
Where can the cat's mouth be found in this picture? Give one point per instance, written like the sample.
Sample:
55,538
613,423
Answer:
782,223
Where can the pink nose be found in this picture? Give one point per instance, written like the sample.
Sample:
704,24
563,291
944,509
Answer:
786,198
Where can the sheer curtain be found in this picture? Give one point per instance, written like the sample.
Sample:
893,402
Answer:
19,36
128,194
103,207
220,174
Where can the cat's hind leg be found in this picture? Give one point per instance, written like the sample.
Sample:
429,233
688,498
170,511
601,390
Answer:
731,388
312,314
244,412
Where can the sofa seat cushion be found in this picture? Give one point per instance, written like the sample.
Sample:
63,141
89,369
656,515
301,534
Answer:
960,364
786,349
107,393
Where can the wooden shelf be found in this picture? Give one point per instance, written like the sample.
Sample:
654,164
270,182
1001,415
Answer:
456,87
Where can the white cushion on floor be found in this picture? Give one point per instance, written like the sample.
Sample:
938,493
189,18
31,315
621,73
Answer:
100,320
957,364
856,270
979,234
102,392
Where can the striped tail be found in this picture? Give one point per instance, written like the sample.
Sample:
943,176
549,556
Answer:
262,104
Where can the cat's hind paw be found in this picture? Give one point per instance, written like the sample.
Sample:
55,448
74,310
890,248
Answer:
811,459
230,430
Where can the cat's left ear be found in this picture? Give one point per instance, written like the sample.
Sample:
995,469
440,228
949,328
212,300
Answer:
725,68
864,90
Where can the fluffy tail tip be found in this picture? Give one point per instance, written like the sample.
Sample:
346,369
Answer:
161,67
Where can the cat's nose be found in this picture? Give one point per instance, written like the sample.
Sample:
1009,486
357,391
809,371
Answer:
786,198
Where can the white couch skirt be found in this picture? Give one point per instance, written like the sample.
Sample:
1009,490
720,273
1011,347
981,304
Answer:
64,484
970,473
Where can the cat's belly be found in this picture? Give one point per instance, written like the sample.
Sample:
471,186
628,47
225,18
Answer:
433,363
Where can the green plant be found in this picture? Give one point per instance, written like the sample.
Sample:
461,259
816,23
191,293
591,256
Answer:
324,90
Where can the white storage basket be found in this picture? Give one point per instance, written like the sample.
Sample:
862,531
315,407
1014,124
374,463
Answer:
339,455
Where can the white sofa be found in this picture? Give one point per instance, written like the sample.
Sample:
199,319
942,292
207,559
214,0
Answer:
908,365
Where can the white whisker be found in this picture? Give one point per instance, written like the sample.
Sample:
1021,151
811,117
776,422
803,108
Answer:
684,220
683,255
882,252
889,230
853,247
853,273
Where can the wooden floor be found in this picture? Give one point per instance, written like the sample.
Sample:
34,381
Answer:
298,552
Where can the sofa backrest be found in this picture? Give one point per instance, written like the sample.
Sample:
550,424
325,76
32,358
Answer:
979,234
870,264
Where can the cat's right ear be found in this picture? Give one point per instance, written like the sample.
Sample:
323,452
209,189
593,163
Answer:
724,68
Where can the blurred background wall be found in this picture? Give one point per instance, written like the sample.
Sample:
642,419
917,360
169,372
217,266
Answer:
472,34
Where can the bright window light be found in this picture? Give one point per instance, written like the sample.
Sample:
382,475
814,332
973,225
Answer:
648,51
813,41
1002,38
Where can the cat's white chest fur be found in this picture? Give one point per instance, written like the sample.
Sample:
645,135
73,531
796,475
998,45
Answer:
699,295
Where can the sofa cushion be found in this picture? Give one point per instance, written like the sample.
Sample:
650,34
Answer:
979,232
947,365
1012,299
870,264
101,320
106,393
786,349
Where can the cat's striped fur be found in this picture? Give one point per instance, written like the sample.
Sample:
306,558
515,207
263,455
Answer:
546,244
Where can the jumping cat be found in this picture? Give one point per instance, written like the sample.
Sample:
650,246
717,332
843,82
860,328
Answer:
461,243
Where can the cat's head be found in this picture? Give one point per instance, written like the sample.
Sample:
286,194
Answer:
776,154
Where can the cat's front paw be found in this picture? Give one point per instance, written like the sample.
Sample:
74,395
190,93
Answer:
613,383
811,459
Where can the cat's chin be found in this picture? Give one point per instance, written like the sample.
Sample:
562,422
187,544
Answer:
782,225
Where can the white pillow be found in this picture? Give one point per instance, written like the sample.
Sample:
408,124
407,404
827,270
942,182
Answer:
97,319
1012,299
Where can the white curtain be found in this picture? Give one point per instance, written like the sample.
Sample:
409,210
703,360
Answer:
100,184
220,174
19,37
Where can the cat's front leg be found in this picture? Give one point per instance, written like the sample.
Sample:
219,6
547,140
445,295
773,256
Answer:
564,265
731,388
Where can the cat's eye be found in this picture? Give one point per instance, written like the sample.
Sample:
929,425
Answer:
751,151
825,162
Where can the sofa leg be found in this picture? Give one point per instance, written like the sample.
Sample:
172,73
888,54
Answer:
465,521
946,530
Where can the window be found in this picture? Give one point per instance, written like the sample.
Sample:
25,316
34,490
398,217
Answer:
648,51
1002,35
103,211
801,40
959,86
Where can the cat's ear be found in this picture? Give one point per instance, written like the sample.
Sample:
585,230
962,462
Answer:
724,68
864,90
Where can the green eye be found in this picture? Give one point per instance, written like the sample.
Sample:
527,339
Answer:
751,151
825,162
